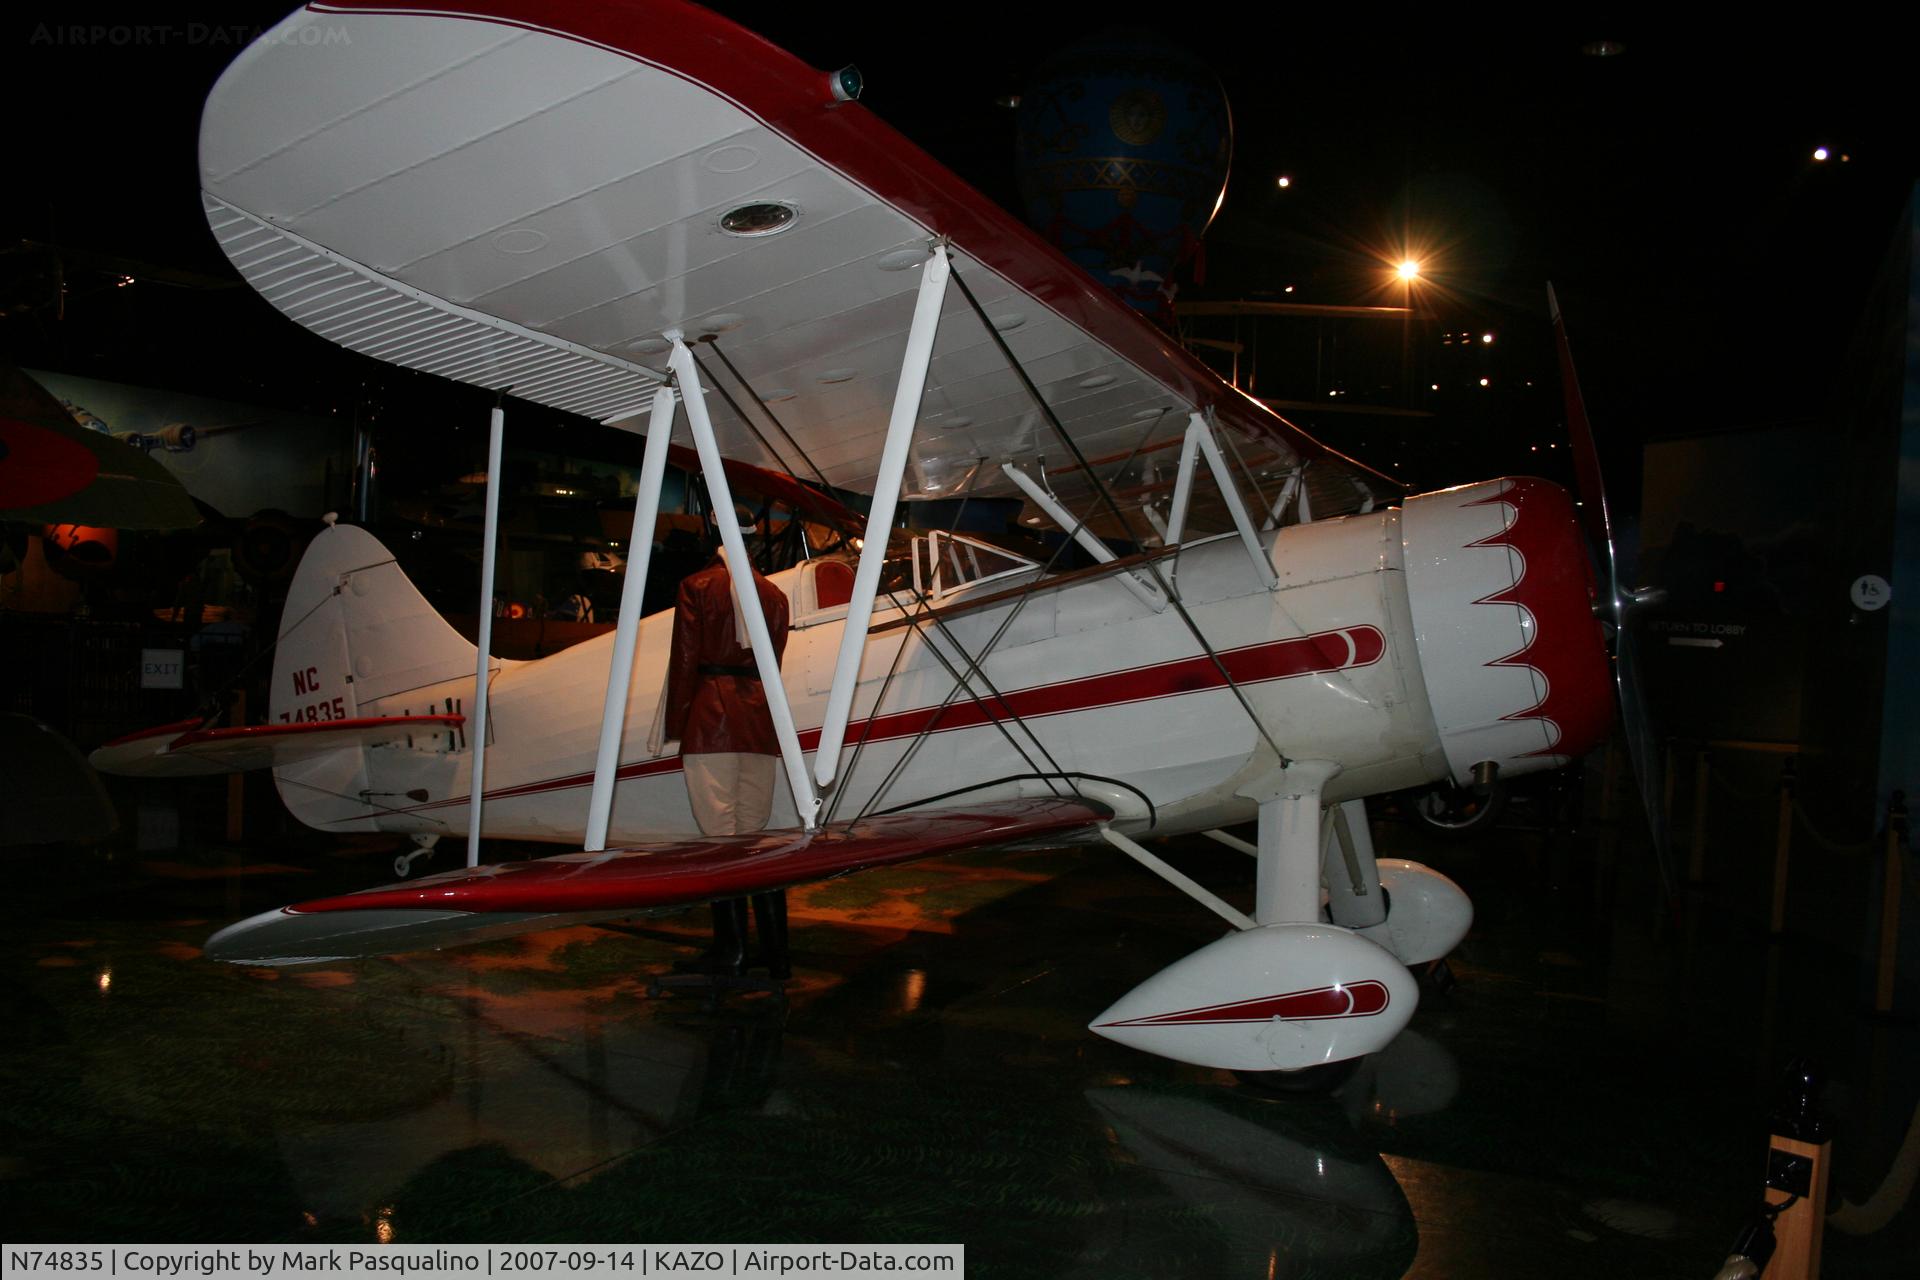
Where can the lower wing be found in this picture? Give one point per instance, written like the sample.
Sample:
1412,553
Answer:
504,899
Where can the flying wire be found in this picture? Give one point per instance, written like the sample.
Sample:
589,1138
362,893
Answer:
1126,526
767,409
1013,613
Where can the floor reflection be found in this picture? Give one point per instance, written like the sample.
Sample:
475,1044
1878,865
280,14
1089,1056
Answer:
1292,1193
1576,1106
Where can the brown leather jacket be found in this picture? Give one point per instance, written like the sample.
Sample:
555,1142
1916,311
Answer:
712,713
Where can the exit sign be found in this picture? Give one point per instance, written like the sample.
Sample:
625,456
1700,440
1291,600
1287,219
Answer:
162,668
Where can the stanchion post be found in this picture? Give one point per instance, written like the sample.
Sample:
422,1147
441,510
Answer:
1890,904
1782,843
237,782
1797,1161
1697,869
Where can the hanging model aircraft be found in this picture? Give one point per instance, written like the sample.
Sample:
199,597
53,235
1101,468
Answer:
571,200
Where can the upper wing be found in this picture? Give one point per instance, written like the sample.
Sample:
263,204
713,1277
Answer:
186,750
508,898
526,194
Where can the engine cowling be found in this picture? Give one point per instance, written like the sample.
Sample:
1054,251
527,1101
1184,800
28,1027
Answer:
1502,595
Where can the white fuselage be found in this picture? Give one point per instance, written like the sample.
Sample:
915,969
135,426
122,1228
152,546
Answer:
1110,689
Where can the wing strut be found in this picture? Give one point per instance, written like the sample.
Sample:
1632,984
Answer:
1088,540
633,590
886,494
1200,441
1295,487
496,429
805,799
1106,498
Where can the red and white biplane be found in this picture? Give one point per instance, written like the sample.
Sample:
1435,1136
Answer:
572,200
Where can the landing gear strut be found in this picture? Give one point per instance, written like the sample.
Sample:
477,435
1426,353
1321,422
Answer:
422,848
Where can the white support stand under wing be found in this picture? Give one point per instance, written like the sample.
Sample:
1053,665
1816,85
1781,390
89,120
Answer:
477,783
633,589
886,494
806,801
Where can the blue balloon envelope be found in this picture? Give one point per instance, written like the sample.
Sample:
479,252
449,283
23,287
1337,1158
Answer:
1124,149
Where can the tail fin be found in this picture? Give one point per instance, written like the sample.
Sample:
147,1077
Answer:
355,630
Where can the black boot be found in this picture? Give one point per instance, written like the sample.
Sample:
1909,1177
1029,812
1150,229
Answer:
770,917
728,954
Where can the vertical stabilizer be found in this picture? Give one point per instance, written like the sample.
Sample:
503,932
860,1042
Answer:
355,631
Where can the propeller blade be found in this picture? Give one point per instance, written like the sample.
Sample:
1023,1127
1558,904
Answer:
1643,744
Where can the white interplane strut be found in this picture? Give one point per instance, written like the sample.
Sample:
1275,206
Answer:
477,785
1088,540
886,494
1200,442
740,573
633,590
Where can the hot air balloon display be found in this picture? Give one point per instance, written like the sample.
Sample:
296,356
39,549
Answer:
1124,148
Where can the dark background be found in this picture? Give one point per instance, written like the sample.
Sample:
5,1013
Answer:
1712,272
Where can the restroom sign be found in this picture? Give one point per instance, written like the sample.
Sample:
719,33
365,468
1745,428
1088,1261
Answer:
163,668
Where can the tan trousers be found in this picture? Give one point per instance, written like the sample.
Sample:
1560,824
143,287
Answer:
732,791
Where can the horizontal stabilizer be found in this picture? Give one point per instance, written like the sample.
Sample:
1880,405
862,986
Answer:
474,904
186,749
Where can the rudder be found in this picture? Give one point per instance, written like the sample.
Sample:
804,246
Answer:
355,630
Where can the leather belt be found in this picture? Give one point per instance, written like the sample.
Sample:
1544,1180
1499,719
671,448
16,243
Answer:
715,669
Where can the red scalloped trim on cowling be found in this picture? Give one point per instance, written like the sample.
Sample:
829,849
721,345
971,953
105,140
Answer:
1557,589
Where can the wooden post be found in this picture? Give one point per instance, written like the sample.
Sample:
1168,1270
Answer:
1796,1231
1782,842
1890,904
237,782
1697,869
1796,1174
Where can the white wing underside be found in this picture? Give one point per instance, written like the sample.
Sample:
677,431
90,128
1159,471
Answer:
523,208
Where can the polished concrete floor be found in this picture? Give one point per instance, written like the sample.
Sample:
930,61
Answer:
1589,1100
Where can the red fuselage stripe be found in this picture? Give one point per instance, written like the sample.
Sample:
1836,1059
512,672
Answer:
1323,651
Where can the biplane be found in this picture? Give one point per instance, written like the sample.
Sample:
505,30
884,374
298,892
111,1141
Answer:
643,214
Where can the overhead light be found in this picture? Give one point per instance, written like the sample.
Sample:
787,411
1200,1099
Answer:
761,218
1283,182
1486,338
1819,153
1408,269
